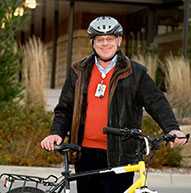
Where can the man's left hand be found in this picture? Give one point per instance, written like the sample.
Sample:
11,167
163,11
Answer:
178,141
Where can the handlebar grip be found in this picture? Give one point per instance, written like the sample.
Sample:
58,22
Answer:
171,138
64,147
111,130
187,137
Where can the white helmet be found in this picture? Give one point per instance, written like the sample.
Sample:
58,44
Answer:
105,25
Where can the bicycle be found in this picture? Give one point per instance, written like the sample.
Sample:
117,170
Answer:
59,184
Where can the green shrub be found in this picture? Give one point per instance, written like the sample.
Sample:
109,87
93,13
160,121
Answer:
21,131
165,156
174,157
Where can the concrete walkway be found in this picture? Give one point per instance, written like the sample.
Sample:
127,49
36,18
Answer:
52,96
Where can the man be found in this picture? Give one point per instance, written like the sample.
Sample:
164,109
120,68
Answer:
107,89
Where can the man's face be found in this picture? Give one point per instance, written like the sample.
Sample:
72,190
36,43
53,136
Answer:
106,46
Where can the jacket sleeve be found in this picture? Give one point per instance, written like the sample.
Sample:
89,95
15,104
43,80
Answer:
156,104
64,109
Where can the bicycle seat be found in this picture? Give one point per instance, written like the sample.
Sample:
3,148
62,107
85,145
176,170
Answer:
67,147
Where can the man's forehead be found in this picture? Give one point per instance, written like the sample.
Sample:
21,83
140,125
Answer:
105,36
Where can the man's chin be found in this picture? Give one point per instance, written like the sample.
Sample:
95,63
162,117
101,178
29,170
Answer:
105,58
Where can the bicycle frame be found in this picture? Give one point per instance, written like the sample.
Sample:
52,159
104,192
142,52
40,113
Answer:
141,181
139,168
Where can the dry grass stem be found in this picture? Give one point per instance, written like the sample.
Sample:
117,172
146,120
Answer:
35,63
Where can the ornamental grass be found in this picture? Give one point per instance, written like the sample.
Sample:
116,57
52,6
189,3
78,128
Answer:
35,65
178,82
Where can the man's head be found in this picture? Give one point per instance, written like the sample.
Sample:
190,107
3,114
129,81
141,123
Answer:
106,35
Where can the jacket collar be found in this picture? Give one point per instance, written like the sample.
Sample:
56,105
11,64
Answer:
86,64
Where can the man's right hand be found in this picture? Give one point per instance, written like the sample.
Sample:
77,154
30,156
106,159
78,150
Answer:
49,142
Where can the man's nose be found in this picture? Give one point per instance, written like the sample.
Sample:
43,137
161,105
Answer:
105,41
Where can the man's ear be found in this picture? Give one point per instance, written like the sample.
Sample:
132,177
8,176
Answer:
119,41
92,42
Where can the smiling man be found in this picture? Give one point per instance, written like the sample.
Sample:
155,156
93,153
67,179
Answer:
107,89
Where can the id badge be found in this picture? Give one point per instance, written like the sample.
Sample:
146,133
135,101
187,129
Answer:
100,91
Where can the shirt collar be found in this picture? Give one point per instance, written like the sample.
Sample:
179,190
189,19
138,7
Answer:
111,65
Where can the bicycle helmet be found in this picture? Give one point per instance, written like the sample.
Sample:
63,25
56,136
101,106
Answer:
105,25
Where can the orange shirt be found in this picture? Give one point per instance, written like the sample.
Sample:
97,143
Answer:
97,112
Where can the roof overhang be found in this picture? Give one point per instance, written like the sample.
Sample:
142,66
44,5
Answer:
154,2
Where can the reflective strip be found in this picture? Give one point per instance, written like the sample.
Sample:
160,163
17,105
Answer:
119,170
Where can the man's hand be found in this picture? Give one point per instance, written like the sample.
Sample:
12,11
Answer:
49,142
177,141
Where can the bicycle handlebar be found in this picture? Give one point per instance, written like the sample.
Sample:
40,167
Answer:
122,132
125,132
138,134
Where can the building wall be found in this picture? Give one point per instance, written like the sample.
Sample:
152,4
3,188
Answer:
169,43
81,48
